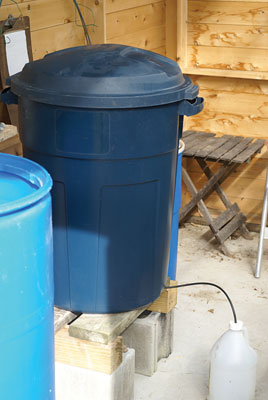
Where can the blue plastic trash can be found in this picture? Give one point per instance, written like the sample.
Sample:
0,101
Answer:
103,120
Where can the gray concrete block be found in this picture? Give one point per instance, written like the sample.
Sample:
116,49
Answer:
165,335
84,384
151,335
141,335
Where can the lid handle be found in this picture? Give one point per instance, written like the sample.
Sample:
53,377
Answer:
8,97
191,107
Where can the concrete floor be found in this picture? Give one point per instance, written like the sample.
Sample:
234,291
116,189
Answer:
202,315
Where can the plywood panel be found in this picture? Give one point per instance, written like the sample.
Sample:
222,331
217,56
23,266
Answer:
218,122
42,13
228,12
147,39
245,104
171,28
56,38
136,19
160,50
231,85
218,58
119,5
228,35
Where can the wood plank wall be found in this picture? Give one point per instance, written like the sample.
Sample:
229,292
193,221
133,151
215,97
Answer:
139,23
53,24
230,38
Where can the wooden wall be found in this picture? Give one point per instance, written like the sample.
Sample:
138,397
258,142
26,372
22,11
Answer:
226,54
139,23
52,23
222,45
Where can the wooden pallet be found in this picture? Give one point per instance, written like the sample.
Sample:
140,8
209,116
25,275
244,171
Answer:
93,341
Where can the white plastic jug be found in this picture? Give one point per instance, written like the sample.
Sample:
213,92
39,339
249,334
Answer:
233,366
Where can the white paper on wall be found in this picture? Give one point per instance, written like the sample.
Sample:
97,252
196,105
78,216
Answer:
16,51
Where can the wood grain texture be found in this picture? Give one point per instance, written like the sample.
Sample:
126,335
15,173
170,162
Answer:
250,207
147,39
167,300
119,5
103,328
61,318
42,13
134,20
229,123
160,50
242,86
95,14
225,73
90,355
218,58
182,18
171,23
244,104
228,12
246,36
55,38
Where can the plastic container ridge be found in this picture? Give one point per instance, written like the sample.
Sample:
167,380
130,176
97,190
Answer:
26,284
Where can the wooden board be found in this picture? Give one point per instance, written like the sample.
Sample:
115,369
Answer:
246,36
231,86
90,355
147,39
42,13
228,12
56,38
216,58
167,301
134,20
238,103
61,318
103,328
171,28
119,5
226,123
9,141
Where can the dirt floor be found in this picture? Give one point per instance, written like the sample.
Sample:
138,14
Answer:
202,315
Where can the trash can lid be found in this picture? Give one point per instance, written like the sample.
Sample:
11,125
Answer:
103,76
22,183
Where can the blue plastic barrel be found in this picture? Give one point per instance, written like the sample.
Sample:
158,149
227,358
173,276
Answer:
103,120
26,284
172,267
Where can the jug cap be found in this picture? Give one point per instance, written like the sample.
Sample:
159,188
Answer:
236,326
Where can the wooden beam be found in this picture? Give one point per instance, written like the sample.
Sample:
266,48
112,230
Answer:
103,328
85,354
167,301
171,29
182,12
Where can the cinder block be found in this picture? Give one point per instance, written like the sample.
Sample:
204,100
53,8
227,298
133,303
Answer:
84,384
151,335
165,335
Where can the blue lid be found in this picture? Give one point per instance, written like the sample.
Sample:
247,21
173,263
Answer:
22,183
103,76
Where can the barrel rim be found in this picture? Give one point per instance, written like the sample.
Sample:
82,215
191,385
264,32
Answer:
30,171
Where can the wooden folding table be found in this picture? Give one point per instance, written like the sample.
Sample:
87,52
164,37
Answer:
229,151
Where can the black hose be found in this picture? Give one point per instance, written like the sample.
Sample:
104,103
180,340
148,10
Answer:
210,284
